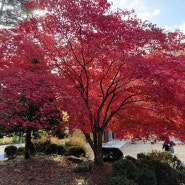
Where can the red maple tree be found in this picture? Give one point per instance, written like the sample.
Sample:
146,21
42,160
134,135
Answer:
30,99
122,73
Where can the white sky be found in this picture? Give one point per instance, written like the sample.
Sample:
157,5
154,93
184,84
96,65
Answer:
164,13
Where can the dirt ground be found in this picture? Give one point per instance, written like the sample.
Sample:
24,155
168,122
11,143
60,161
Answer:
45,170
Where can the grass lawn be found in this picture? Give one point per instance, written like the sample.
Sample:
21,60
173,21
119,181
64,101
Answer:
47,170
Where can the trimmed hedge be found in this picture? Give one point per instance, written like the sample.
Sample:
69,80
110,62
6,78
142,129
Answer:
52,149
55,149
111,154
125,167
147,170
76,151
20,150
41,146
121,180
10,151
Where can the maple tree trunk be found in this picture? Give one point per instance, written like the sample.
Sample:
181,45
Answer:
98,147
27,144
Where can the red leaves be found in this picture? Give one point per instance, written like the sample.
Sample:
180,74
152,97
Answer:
112,67
30,5
29,97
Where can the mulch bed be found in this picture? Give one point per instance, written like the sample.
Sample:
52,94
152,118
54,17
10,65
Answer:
44,170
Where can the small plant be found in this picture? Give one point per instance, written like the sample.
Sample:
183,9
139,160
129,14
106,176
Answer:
146,177
76,151
52,149
8,140
55,140
42,145
121,180
146,170
20,150
74,141
159,163
10,151
60,150
125,167
111,154
164,157
79,182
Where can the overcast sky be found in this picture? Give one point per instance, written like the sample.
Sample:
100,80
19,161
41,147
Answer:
163,13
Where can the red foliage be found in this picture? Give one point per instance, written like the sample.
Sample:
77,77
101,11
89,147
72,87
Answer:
29,96
30,5
122,73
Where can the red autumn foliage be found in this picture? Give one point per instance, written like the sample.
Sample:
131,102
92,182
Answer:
122,73
30,98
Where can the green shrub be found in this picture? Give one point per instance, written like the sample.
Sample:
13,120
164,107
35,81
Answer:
36,135
125,167
8,140
111,154
181,177
10,151
52,149
131,158
146,170
61,150
164,173
41,146
121,180
15,138
75,151
146,177
164,157
20,150
74,141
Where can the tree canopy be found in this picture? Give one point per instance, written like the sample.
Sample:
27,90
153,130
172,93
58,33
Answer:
30,99
122,73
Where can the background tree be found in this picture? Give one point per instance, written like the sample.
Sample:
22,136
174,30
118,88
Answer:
121,71
30,99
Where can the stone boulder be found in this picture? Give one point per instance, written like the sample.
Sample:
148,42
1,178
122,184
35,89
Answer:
84,166
76,159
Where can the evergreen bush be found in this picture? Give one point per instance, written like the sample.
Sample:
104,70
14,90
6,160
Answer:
147,170
52,149
121,180
125,167
111,154
20,150
146,177
10,151
41,146
76,151
61,150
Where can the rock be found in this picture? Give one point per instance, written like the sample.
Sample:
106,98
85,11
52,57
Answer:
84,166
75,159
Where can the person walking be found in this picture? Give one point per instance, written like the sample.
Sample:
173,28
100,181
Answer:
172,144
166,146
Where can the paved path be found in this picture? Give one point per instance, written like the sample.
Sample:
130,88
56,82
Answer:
129,148
2,147
139,147
132,149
